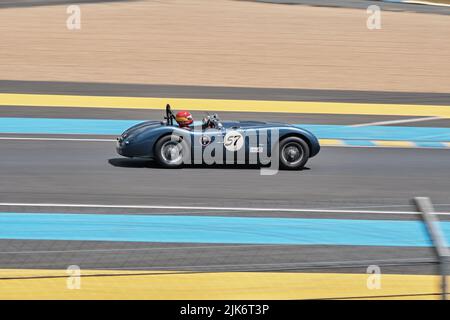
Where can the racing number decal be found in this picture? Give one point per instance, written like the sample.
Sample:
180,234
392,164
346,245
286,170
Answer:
233,140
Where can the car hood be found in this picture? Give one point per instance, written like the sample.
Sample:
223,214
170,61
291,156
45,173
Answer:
140,127
253,124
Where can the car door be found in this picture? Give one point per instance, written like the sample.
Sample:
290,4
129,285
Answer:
207,145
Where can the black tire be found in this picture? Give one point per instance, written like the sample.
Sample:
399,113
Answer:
168,159
293,153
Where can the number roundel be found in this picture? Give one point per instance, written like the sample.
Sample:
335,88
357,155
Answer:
233,140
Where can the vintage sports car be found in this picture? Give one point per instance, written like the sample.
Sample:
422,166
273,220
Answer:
219,142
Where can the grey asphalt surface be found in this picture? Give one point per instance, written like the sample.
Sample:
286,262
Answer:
212,92
363,4
212,257
91,172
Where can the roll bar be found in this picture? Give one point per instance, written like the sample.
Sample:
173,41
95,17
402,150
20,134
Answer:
169,116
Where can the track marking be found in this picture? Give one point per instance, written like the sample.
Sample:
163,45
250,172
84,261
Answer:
331,142
204,208
401,144
323,142
218,229
104,284
429,3
380,123
409,145
390,206
61,101
56,139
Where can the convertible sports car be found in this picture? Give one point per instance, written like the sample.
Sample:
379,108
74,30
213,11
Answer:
217,142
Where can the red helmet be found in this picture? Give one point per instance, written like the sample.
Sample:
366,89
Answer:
184,118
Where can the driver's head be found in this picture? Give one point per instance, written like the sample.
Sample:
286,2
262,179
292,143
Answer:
184,118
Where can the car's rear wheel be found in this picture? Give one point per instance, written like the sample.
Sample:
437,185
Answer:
294,153
170,151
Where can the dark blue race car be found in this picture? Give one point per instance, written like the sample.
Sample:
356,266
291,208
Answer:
217,142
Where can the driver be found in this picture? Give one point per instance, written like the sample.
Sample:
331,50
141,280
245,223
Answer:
184,119
210,122
207,123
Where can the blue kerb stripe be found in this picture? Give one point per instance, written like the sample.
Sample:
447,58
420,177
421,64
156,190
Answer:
65,126
116,127
429,144
379,133
213,229
359,143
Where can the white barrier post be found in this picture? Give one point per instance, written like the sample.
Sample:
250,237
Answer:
425,206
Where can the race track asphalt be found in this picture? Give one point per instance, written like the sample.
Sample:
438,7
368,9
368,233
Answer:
88,172
339,178
92,172
364,4
357,4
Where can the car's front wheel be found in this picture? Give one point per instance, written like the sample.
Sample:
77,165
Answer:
294,153
170,151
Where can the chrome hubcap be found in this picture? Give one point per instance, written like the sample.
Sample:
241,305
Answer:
171,152
292,153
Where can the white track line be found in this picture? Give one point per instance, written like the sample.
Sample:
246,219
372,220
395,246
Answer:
56,139
430,3
70,205
380,123
388,206
113,140
385,147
